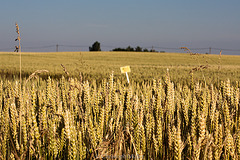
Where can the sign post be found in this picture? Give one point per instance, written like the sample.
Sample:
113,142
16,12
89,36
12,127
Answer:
126,69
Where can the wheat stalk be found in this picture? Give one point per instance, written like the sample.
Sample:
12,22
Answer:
18,49
34,74
64,69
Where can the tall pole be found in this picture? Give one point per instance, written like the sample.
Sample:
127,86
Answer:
57,48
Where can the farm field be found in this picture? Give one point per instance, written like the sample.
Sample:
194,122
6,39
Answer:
144,66
177,106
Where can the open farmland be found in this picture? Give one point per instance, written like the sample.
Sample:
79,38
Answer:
144,66
177,106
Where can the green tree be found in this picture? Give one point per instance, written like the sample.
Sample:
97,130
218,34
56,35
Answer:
119,49
145,50
138,49
152,50
95,47
129,48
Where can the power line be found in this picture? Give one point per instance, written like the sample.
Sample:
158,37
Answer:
233,50
198,48
73,46
106,46
40,47
163,48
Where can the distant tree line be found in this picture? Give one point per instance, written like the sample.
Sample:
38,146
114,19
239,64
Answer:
131,49
97,47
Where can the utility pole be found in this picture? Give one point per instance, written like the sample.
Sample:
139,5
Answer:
57,48
210,50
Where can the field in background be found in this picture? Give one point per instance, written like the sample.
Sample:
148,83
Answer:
144,66
177,106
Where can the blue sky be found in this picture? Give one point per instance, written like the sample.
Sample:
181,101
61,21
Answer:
159,23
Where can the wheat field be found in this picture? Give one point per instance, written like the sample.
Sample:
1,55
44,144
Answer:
80,117
144,65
